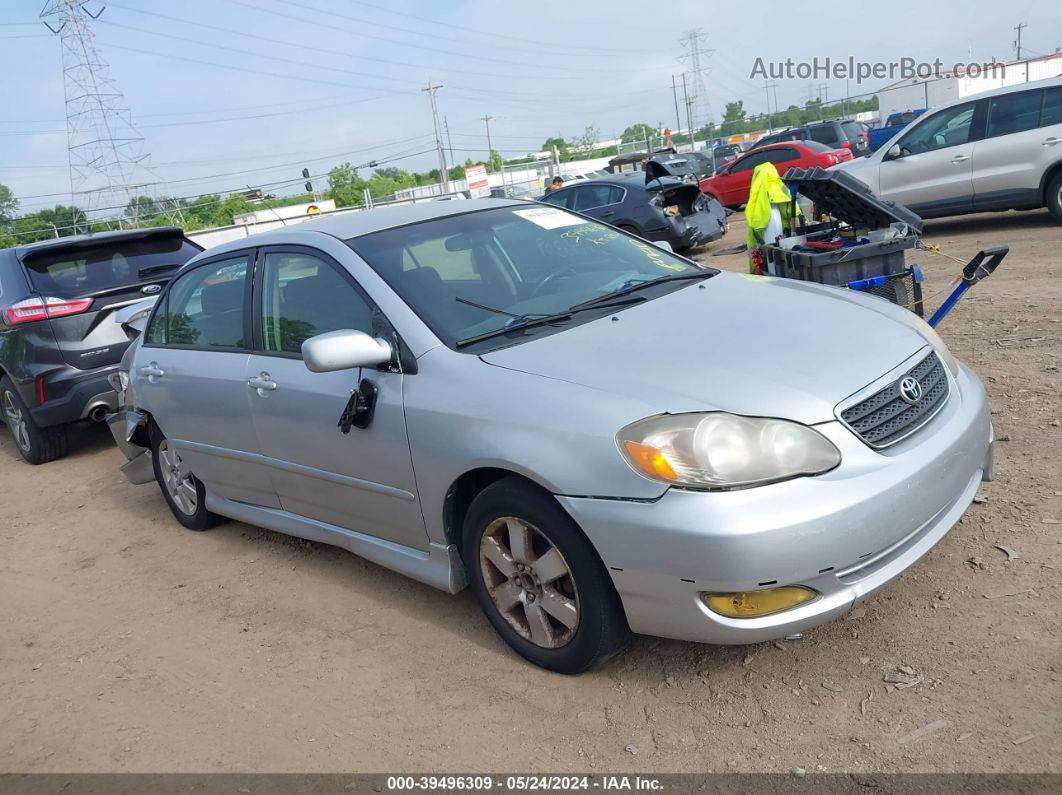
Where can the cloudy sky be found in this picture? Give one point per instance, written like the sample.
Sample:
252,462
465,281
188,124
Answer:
230,93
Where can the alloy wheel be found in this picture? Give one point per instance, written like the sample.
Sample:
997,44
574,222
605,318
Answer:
177,480
529,582
16,421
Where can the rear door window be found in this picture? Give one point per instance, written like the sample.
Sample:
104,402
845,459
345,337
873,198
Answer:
204,308
750,162
107,266
782,154
1013,113
1052,113
589,196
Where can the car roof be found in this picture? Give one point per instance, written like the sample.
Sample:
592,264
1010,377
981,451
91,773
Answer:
76,241
363,222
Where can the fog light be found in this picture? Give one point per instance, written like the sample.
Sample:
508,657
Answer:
752,604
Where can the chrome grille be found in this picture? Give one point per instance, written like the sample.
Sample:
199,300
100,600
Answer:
886,417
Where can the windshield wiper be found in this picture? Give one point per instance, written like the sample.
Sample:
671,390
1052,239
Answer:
521,322
630,288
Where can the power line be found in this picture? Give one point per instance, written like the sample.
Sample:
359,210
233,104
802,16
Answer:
495,34
324,50
265,168
238,189
575,53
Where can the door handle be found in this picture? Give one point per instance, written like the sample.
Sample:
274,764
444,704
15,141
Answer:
1051,141
152,371
262,382
960,158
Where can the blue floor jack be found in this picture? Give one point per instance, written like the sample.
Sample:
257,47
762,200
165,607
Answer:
981,266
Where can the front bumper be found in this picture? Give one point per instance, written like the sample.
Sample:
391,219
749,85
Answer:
845,534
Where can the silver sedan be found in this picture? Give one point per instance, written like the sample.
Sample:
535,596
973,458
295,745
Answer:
598,436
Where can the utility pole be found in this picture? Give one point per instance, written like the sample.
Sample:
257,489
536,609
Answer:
689,114
444,177
767,90
824,93
490,149
678,117
1019,28
449,142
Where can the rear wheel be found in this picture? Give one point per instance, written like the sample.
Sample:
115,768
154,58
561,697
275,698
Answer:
182,490
539,580
1054,196
37,445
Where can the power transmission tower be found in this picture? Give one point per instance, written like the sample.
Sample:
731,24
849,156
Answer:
108,165
696,58
444,177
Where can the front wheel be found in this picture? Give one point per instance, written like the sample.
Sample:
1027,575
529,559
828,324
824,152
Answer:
1054,196
182,490
539,580
37,445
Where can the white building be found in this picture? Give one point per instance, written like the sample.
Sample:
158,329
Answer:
290,212
934,92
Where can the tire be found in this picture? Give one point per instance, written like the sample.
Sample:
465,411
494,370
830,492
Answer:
529,563
37,445
1053,198
186,496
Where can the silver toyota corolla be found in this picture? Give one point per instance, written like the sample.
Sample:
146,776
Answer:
598,436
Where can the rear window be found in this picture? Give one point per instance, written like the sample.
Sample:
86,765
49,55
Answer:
824,134
815,146
854,129
82,271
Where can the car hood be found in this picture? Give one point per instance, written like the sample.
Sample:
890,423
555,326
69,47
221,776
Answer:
746,344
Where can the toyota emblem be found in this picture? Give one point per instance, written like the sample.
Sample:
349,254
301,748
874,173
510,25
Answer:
911,389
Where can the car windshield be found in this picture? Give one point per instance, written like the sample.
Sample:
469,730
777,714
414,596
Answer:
483,272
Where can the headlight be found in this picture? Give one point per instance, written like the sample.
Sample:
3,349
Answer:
716,450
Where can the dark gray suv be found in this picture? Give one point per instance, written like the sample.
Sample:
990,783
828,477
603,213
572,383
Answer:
58,338
853,135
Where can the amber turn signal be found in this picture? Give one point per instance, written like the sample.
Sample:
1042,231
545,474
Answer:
753,604
650,460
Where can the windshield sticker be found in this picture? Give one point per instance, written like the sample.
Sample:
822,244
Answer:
591,233
656,255
549,217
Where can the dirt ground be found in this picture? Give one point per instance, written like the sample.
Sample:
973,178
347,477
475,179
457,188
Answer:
130,644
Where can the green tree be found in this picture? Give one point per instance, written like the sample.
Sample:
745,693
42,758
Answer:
637,133
224,214
560,143
345,187
497,162
8,206
141,209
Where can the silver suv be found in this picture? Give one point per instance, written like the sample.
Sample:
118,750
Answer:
1001,150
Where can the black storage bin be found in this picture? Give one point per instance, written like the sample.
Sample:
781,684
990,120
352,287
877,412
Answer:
850,201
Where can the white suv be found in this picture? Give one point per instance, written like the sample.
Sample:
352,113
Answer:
1001,150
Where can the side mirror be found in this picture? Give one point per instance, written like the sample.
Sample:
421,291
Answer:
344,350
894,153
664,245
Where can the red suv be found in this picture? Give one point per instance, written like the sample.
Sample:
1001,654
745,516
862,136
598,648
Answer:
730,186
